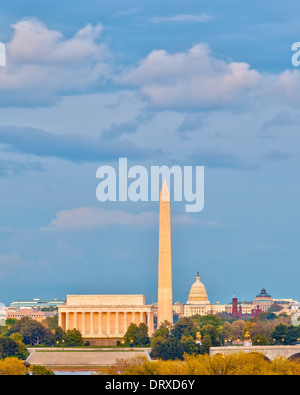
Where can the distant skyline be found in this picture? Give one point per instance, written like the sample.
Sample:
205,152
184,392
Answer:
193,83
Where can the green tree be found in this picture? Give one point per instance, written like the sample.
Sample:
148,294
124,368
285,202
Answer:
163,331
227,331
189,345
38,370
10,321
271,316
171,348
205,344
157,340
291,335
73,338
213,334
185,327
22,351
8,347
210,319
32,331
59,335
131,334
143,338
279,334
139,335
237,328
51,322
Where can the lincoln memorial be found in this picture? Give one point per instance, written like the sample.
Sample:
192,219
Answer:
104,319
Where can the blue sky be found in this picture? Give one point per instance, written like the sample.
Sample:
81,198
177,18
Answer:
160,83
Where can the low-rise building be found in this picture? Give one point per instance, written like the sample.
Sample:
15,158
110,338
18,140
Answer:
37,304
28,312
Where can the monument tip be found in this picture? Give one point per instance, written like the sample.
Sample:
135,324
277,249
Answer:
165,193
165,184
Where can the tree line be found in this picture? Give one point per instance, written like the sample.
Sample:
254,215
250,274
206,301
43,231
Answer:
17,335
170,342
202,364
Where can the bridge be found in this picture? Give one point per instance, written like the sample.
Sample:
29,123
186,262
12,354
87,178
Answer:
270,352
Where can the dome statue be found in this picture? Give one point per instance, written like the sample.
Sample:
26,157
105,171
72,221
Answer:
247,336
198,293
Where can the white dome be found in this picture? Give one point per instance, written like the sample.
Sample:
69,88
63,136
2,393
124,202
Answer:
198,293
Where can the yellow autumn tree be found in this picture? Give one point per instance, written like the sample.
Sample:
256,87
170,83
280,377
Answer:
12,366
121,365
240,363
170,367
283,366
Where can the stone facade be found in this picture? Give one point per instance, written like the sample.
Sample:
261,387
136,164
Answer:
270,352
165,297
27,312
104,319
263,300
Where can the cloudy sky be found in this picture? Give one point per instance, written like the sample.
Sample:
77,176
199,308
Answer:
188,83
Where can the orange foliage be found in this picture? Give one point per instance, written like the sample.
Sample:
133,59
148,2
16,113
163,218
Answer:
231,364
12,366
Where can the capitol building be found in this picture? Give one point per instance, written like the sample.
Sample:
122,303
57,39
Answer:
197,303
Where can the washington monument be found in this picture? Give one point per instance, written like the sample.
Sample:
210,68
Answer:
165,298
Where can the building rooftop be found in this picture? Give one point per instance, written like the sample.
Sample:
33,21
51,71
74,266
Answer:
263,294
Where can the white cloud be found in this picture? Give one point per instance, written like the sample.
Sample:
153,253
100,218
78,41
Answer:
95,217
89,217
42,64
126,13
185,219
197,79
283,88
34,42
182,18
191,79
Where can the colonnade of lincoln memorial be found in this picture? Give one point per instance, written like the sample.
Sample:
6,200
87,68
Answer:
104,316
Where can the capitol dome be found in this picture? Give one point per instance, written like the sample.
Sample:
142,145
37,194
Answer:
198,293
